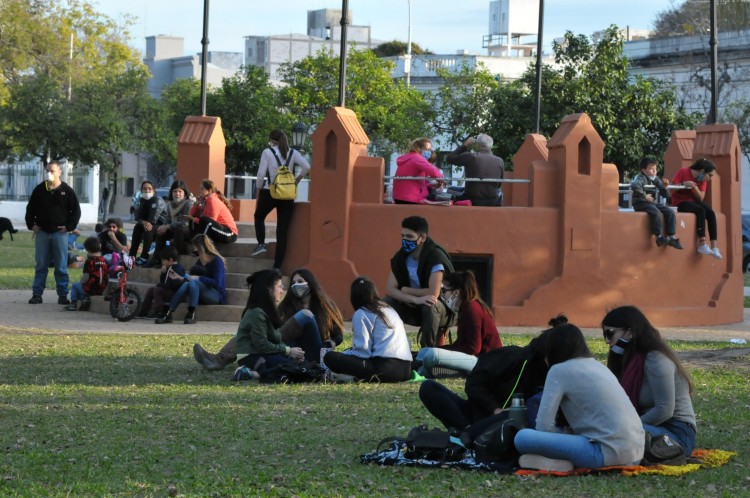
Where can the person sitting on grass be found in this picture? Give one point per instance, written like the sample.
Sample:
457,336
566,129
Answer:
601,426
94,278
645,201
476,333
305,293
380,349
206,285
261,333
156,301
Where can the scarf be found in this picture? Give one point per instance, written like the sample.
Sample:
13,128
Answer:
632,378
175,207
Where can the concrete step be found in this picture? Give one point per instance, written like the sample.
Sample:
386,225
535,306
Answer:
150,276
235,296
247,230
243,248
206,313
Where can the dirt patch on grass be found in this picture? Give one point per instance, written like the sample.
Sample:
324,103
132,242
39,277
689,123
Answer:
727,357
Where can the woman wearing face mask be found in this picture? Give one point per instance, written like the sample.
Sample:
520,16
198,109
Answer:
176,229
150,214
414,163
305,293
476,333
690,200
651,374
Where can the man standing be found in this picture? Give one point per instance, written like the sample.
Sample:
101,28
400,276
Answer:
52,212
413,287
479,164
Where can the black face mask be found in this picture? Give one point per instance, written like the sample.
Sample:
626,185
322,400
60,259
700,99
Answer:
620,346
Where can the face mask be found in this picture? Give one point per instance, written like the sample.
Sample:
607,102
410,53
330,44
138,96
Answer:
452,302
148,196
700,177
408,245
620,346
271,144
300,290
427,154
50,176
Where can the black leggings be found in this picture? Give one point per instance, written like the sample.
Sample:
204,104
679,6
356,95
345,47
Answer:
284,209
141,234
375,369
214,230
703,214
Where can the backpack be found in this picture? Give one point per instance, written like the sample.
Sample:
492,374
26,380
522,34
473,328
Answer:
284,186
662,450
293,373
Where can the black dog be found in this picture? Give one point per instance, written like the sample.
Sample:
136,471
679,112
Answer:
6,226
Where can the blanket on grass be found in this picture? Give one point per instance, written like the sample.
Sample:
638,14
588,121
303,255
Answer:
394,455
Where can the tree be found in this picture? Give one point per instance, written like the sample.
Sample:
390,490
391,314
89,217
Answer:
397,47
691,17
391,113
634,116
739,114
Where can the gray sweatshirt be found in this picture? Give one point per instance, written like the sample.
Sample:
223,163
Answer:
595,406
664,393
373,338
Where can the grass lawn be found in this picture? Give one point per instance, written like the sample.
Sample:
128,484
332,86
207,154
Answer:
17,264
106,415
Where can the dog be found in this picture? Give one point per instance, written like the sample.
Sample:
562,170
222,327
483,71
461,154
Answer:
6,226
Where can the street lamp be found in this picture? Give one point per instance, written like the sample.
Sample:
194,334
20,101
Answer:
407,58
299,135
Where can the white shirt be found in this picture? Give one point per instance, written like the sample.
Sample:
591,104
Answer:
269,166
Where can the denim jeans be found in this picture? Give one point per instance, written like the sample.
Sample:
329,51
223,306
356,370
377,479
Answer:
76,292
309,340
580,450
51,247
439,357
680,431
196,292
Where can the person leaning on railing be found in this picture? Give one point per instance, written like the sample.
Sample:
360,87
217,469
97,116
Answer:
475,155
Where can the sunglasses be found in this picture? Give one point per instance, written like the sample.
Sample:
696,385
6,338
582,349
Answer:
610,333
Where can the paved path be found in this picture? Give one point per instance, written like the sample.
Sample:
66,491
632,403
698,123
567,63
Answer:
17,314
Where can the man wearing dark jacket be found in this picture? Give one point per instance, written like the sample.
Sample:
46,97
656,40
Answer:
51,213
413,287
480,164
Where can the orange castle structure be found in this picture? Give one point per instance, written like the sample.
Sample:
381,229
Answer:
560,243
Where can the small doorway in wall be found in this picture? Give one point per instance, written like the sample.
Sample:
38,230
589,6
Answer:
481,266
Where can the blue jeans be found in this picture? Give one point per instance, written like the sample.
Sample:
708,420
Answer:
50,247
76,292
309,340
580,450
439,357
680,431
197,292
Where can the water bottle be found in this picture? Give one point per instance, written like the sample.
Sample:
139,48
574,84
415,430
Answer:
518,411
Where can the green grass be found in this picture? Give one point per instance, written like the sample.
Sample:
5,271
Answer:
17,258
108,415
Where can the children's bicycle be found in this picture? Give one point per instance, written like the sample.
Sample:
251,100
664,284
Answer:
124,302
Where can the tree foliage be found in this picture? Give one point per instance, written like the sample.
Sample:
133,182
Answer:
397,47
692,17
634,116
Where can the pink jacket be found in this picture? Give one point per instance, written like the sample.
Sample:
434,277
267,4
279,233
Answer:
413,164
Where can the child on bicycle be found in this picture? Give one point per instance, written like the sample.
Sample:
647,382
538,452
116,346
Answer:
94,278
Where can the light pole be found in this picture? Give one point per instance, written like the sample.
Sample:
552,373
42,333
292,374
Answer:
538,99
713,43
204,57
342,56
407,61
299,135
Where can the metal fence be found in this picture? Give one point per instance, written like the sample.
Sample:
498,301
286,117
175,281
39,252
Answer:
18,180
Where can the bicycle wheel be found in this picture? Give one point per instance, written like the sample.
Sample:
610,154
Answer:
126,310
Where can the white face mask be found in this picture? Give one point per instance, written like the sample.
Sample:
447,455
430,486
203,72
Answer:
148,196
300,289
452,302
50,176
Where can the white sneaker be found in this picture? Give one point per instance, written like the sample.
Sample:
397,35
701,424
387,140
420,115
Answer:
716,253
259,250
539,462
704,249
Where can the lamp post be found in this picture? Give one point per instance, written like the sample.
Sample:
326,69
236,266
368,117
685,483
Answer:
342,54
407,61
299,135
204,56
538,98
713,43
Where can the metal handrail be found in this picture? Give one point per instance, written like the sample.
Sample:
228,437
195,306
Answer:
458,179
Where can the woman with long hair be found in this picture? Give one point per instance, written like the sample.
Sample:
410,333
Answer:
176,229
657,384
690,200
206,285
212,215
261,333
476,330
414,163
305,293
601,426
277,154
380,349
150,214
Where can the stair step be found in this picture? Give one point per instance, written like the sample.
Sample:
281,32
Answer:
151,276
235,296
205,312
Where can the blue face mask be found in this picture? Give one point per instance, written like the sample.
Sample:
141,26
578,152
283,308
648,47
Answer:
700,177
427,154
408,245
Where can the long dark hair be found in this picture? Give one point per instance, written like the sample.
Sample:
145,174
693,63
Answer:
645,338
325,310
364,295
281,140
261,284
564,343
179,184
465,282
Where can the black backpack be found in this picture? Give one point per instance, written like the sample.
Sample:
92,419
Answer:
293,373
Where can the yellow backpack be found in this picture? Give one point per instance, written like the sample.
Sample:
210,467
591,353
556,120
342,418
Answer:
284,186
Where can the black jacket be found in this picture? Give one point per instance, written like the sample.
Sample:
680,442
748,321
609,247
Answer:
431,255
52,208
153,210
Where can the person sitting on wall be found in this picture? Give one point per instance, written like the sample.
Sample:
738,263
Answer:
644,201
690,200
414,163
475,155
414,284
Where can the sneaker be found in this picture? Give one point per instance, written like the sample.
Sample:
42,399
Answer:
704,249
85,304
140,261
661,241
539,462
63,300
244,373
71,307
716,254
340,378
674,243
416,377
259,250
35,299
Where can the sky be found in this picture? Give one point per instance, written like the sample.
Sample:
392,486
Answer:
442,26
